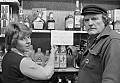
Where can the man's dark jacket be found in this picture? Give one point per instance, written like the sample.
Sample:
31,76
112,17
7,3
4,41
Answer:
102,59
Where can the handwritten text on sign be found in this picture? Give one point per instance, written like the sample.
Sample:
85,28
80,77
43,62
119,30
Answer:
61,37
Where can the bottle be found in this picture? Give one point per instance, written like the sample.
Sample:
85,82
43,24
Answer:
39,57
75,78
32,53
47,54
67,80
21,15
26,21
51,22
77,17
59,80
63,56
11,16
57,58
69,22
38,22
70,58
4,17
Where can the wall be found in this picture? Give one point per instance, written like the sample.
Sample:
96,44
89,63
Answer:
62,8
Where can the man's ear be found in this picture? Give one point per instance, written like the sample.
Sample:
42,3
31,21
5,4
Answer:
106,19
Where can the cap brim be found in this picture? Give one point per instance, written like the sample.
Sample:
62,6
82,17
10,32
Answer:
90,12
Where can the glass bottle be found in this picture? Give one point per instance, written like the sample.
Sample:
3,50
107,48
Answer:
21,15
70,62
63,56
38,22
77,17
57,58
69,22
47,53
26,21
11,15
59,80
51,22
39,57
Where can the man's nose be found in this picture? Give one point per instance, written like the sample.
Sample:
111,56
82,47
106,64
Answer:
90,22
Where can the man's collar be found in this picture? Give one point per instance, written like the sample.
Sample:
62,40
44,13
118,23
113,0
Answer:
105,32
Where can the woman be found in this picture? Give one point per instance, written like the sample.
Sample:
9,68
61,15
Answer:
18,68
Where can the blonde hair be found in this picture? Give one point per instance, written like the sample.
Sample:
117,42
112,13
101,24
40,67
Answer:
14,31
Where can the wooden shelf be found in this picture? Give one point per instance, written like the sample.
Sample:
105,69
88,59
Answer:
41,31
67,70
48,31
2,35
13,3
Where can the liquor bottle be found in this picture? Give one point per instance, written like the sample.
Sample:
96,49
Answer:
67,80
11,16
57,59
69,22
77,17
4,17
21,15
47,53
63,56
75,78
26,20
70,58
59,80
51,22
39,57
38,22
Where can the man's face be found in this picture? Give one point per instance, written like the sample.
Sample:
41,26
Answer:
94,23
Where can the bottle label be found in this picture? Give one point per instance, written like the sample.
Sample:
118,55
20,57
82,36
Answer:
57,60
38,25
63,60
51,25
69,23
77,21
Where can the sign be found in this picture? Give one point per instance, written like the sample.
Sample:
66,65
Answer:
61,37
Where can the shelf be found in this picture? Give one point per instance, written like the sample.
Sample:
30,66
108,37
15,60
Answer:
61,70
10,1
2,35
48,31
41,31
67,70
14,3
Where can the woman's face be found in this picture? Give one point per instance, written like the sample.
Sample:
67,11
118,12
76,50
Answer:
23,44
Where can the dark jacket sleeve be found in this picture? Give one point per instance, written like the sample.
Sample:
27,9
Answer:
111,72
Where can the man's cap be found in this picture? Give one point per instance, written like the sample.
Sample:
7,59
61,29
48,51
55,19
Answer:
93,9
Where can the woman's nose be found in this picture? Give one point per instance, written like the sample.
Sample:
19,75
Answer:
28,40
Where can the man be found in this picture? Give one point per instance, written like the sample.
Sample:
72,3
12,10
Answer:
101,63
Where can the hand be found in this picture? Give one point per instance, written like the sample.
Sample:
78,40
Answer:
74,50
54,48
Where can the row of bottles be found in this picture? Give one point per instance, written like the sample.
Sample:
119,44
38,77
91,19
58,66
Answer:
72,78
39,57
75,22
37,23
64,58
